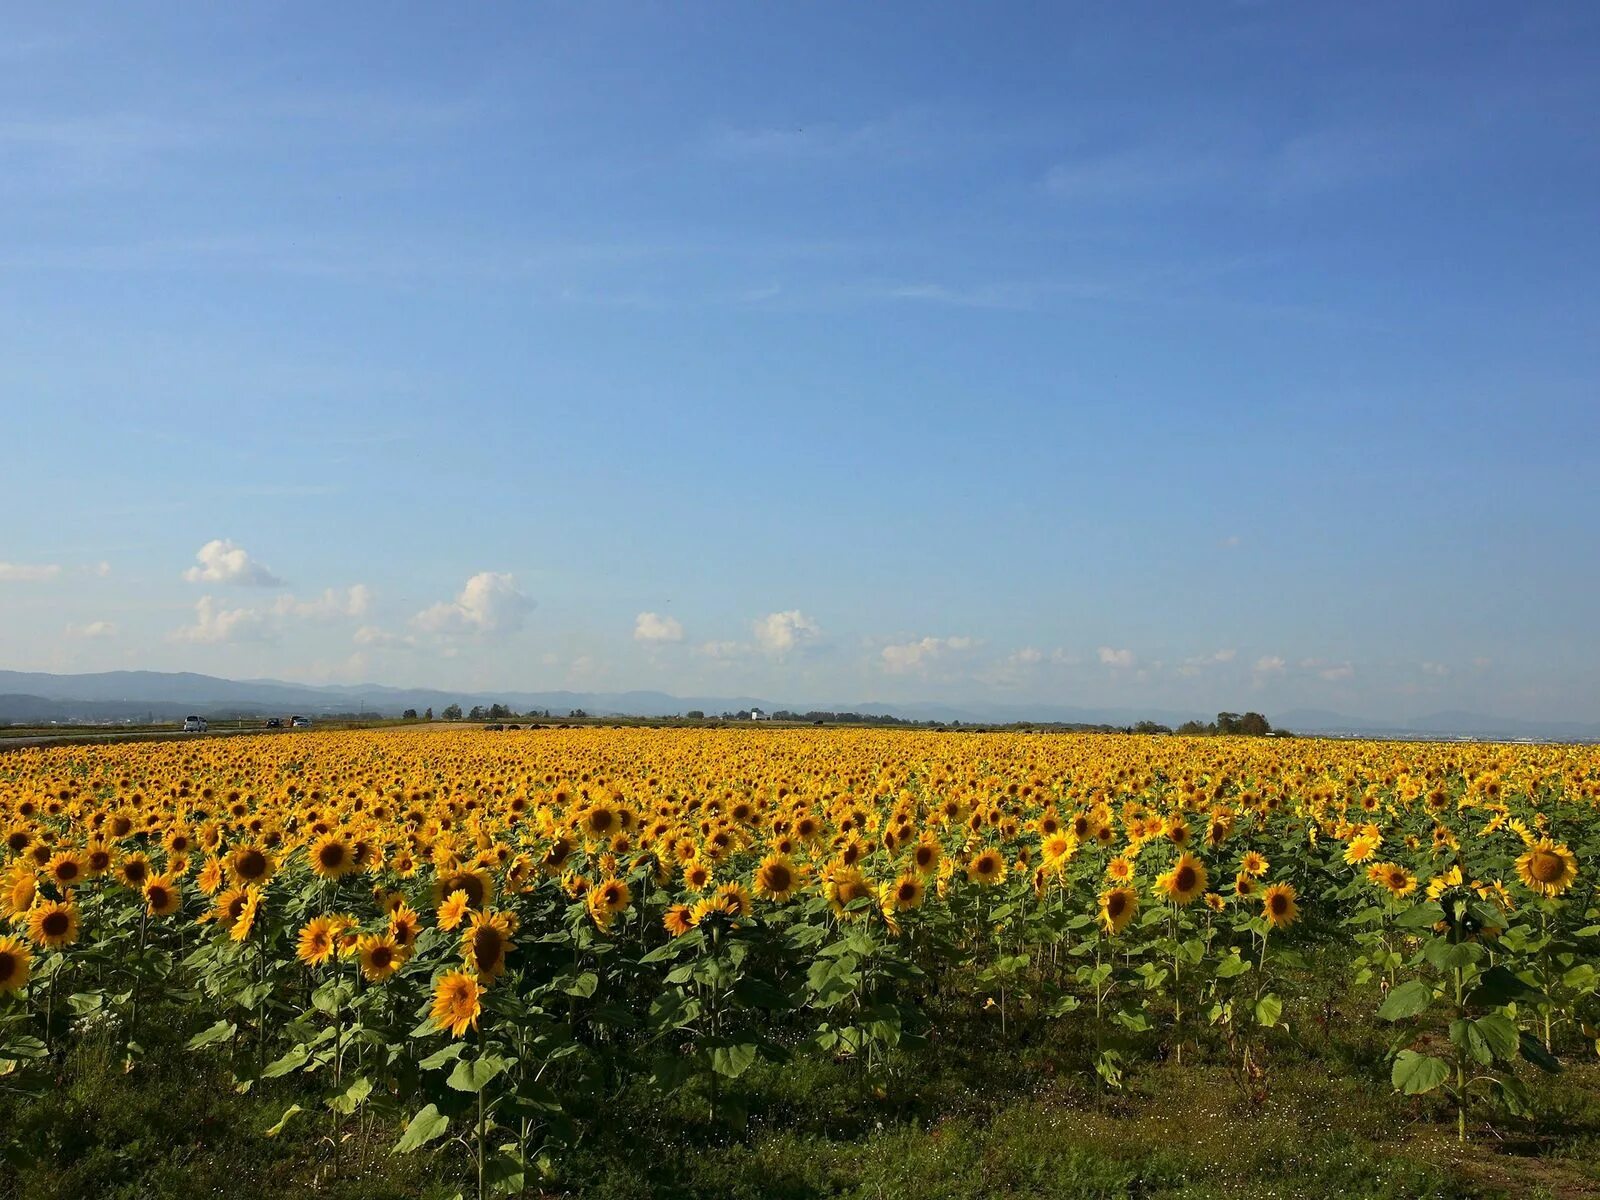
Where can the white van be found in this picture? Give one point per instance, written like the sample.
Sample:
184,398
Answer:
195,725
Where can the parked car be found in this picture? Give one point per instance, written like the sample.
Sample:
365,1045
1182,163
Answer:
274,722
299,722
195,725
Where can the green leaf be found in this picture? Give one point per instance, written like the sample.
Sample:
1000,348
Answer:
1419,916
439,1058
292,1061
220,1032
471,1074
1231,966
1407,1000
84,1004
1269,1009
1499,1033
425,1126
353,1097
1498,986
733,1060
1533,1050
288,1115
1417,1073
584,985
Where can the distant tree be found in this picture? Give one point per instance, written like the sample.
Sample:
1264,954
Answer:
577,714
1253,724
452,712
1194,729
428,716
694,714
1150,727
499,712
478,713
410,714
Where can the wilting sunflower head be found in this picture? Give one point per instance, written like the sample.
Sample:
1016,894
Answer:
456,1002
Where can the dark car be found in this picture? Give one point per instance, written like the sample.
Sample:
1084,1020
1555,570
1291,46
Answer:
274,723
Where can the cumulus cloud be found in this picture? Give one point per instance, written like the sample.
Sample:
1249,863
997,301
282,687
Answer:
653,627
333,603
223,562
1027,657
489,604
215,623
919,655
94,629
1271,664
1112,657
28,573
781,632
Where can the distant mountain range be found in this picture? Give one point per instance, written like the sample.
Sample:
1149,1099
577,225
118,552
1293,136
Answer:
36,697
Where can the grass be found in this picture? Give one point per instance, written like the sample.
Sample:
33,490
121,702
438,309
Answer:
971,1114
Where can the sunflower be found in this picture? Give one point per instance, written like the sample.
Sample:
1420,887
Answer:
330,857
612,896
475,882
97,859
1278,905
925,856
696,875
776,878
1117,907
381,956
1396,879
1057,850
1254,864
484,946
161,896
314,946
843,885
453,911
1360,849
988,867
246,920
1215,902
1244,885
905,892
1185,882
1548,867
250,864
212,876
1120,869
677,920
14,963
404,925
133,871
53,923
66,869
456,1003
736,897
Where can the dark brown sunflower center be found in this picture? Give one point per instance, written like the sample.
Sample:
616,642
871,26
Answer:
1546,866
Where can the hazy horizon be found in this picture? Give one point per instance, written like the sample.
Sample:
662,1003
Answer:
1137,358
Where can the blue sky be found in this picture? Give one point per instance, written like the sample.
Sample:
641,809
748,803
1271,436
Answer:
1192,355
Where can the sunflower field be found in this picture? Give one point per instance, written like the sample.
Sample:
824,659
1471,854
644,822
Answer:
461,944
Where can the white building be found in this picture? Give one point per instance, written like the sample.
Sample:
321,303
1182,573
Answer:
757,715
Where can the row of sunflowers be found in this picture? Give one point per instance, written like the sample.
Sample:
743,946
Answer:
459,934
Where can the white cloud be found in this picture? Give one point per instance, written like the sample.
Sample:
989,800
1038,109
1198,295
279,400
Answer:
1190,667
333,603
1112,657
722,650
1438,670
1027,657
1337,672
223,562
652,627
919,655
214,623
1231,542
780,632
26,573
371,635
102,569
489,604
94,629
1271,664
